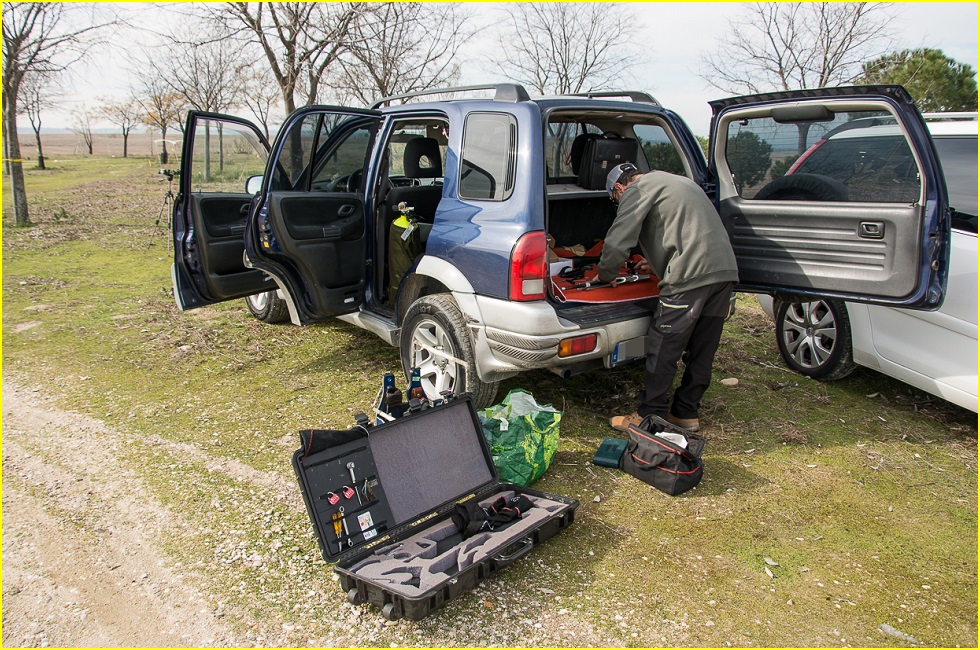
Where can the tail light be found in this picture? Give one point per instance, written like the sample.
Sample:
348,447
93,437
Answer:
577,345
529,267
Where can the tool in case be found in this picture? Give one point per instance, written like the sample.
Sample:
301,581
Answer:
412,511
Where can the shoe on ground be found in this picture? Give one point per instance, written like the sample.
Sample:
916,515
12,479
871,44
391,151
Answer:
691,425
623,422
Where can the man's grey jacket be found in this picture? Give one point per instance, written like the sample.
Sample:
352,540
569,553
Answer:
678,230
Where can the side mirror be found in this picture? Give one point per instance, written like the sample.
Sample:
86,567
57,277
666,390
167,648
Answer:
253,185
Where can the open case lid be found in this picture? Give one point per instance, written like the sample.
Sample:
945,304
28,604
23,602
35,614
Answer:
417,467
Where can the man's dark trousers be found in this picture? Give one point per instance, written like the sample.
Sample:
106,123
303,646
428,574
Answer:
687,323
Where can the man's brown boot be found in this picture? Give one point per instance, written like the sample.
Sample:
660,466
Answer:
688,424
623,422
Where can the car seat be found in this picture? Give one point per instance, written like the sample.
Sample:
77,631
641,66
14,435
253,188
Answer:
422,160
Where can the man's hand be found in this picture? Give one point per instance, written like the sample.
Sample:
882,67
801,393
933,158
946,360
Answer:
643,266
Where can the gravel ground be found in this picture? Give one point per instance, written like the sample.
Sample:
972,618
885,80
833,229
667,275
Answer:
81,560
85,563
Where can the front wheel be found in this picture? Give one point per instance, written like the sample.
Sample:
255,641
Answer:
268,307
814,338
434,339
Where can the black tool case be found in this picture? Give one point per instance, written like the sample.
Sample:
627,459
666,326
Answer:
398,547
600,156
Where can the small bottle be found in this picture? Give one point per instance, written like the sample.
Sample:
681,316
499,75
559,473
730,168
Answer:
415,385
385,400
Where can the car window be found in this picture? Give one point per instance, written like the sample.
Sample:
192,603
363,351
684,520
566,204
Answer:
489,156
958,156
224,155
344,159
334,145
560,149
659,150
405,131
851,157
295,155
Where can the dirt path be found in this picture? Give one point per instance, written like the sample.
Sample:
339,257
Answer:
84,562
82,565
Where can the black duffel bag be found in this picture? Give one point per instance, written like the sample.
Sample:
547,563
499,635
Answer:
670,467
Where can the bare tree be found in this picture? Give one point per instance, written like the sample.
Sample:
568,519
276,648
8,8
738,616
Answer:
793,45
82,127
566,47
162,107
6,149
402,47
207,77
40,92
124,114
299,40
38,37
260,94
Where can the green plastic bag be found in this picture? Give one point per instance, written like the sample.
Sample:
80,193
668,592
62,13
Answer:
522,435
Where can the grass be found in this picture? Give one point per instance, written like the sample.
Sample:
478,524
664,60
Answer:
863,491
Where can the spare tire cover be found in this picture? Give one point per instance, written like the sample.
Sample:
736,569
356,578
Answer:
803,187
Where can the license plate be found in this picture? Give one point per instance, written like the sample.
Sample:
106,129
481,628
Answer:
628,350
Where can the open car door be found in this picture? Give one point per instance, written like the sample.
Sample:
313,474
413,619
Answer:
211,210
308,229
834,192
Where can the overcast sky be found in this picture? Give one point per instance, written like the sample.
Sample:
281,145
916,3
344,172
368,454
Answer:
674,33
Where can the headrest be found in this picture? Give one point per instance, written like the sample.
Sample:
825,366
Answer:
423,158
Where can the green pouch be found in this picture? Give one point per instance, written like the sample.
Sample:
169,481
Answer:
522,435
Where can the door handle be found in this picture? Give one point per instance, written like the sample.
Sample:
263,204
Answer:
871,230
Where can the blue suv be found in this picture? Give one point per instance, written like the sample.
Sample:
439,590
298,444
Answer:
463,230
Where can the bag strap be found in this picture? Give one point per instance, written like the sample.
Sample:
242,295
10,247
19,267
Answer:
661,425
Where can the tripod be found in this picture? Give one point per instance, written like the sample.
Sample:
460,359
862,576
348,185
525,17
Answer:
168,200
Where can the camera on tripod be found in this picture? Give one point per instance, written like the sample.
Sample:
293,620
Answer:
168,199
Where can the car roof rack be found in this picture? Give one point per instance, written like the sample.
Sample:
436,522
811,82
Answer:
950,116
504,92
638,96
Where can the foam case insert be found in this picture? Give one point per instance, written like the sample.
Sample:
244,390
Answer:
398,547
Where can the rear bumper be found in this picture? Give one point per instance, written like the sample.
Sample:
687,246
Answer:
510,337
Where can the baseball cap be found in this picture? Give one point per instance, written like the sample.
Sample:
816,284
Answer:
616,173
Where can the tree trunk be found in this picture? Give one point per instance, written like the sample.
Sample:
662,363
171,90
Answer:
163,146
802,131
40,152
21,217
207,152
125,143
221,148
288,100
6,145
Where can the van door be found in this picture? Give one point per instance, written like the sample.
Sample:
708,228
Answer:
308,230
834,192
211,210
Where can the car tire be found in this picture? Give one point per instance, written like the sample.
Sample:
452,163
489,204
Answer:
436,322
803,187
268,307
814,338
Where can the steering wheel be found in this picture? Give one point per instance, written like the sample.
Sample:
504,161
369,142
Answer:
352,182
399,181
